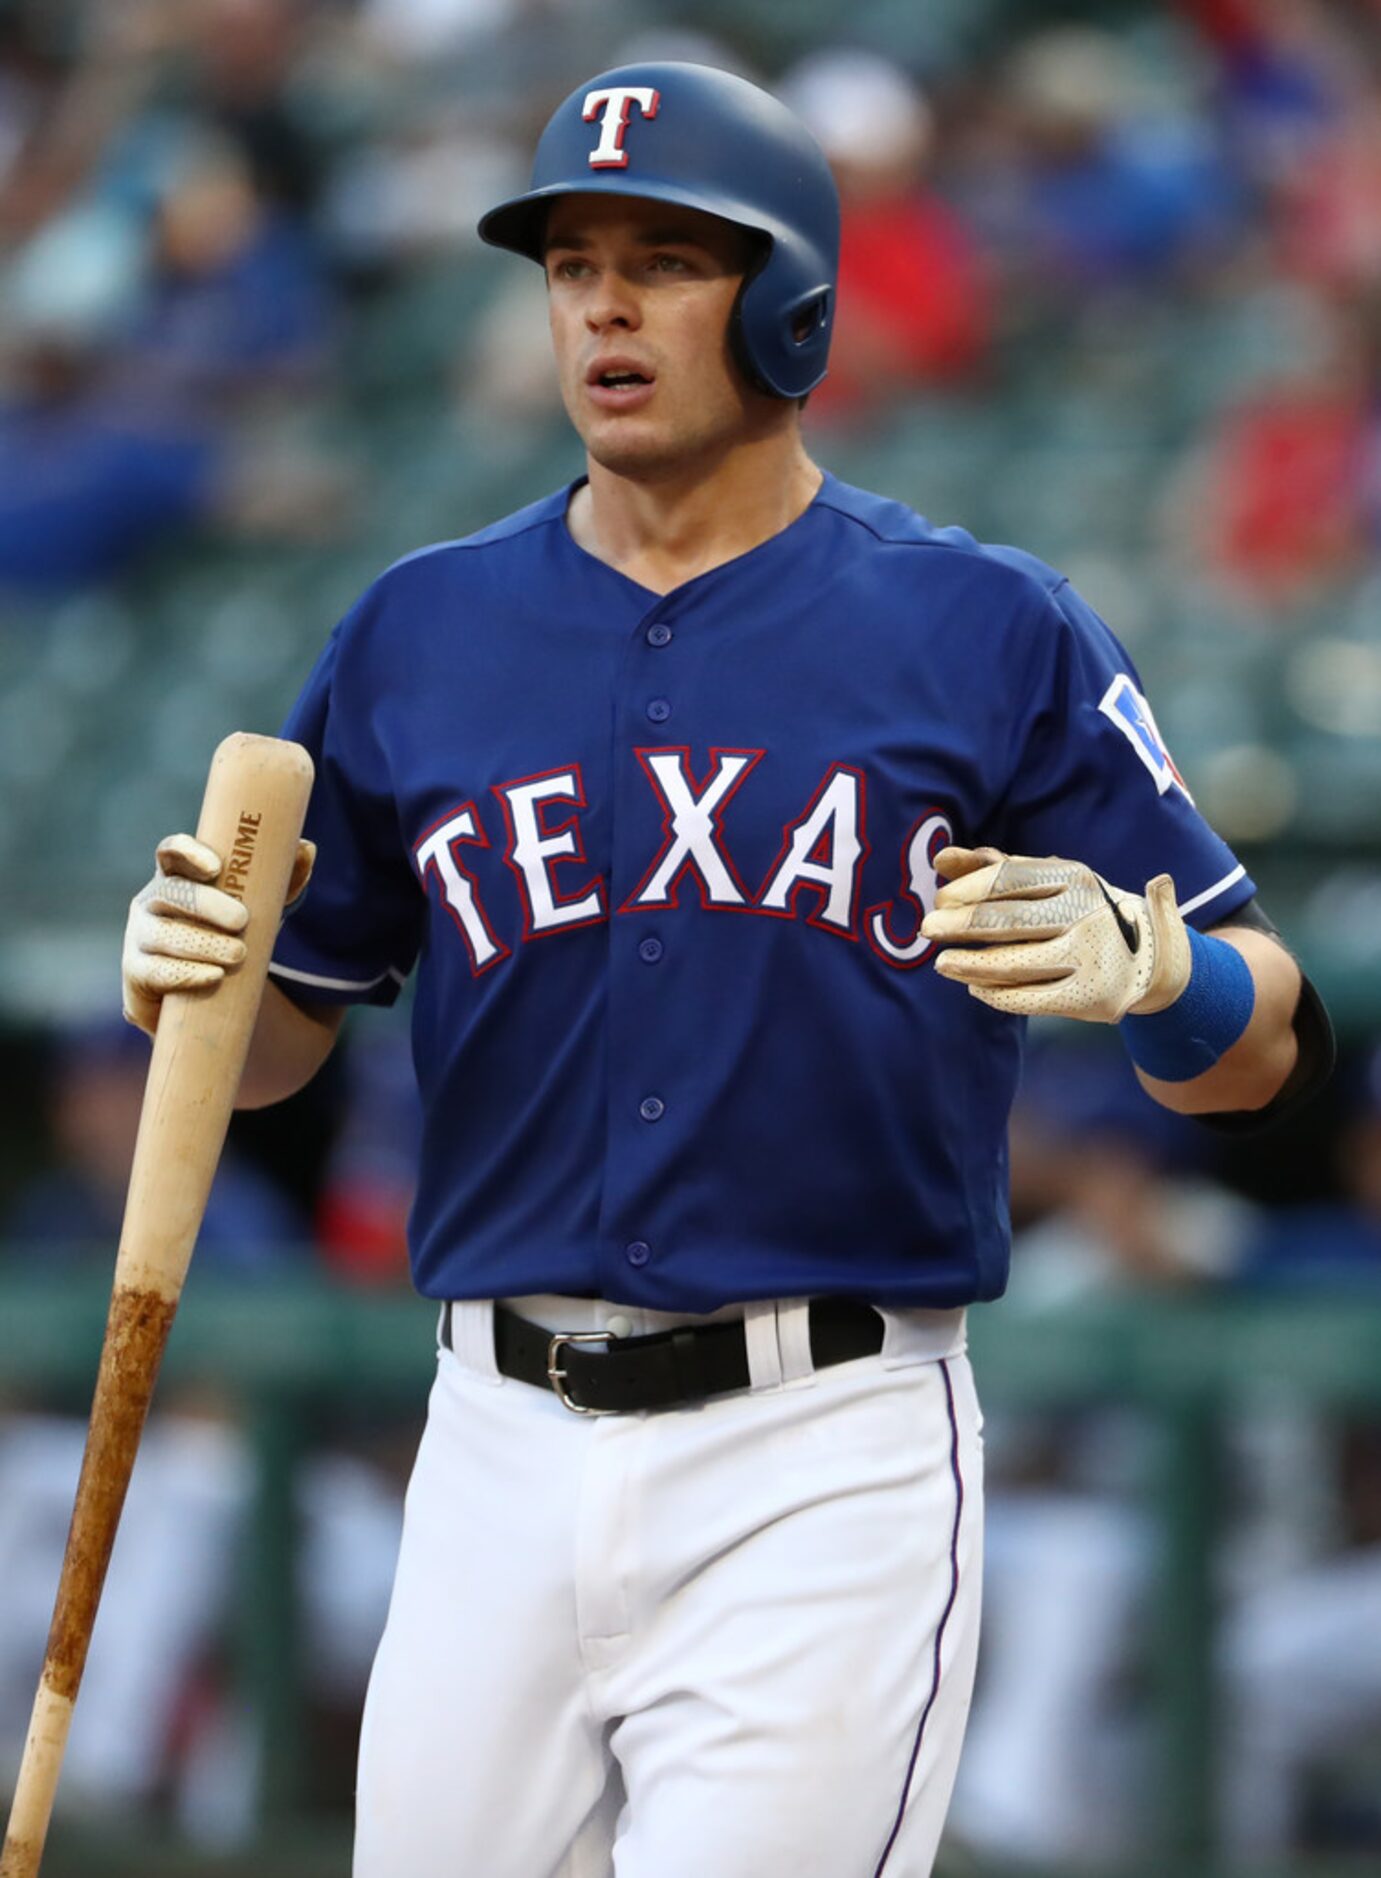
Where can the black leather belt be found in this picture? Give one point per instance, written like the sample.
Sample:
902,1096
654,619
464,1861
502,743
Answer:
595,1373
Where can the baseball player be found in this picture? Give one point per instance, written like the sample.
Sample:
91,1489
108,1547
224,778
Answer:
697,798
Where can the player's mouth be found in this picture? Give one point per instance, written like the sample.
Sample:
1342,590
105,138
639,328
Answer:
619,384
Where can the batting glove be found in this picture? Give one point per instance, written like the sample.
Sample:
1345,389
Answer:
182,931
1052,938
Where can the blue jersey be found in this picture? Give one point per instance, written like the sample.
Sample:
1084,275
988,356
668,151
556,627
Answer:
660,863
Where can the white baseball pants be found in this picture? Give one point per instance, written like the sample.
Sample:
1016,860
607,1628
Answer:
737,1638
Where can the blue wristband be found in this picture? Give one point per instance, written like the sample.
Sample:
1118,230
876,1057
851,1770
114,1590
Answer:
1210,1014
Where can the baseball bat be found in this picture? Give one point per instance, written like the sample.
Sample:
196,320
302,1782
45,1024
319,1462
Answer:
256,798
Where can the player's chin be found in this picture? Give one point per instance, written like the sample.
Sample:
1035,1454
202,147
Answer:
626,447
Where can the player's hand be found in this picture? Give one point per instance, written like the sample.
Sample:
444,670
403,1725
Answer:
183,931
1052,938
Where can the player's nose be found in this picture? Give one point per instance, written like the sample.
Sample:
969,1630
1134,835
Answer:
613,304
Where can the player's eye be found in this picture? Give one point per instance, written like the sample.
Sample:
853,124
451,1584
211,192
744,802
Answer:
669,264
571,268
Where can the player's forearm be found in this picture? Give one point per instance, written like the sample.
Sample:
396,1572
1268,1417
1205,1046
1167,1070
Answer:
1257,1066
290,1044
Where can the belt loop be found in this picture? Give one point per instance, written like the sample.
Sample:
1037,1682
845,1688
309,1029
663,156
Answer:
793,1336
760,1338
472,1337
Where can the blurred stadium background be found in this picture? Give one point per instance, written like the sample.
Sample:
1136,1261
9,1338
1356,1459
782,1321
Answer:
1111,290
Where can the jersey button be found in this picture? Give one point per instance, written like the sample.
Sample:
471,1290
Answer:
660,634
652,1108
659,710
650,950
638,1253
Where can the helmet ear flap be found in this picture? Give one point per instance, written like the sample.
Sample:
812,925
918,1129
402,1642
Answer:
782,347
799,322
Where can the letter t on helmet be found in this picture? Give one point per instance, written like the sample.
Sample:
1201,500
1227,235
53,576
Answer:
611,106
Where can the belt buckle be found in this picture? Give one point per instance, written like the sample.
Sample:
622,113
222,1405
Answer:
557,1376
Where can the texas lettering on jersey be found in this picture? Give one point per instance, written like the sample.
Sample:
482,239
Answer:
816,874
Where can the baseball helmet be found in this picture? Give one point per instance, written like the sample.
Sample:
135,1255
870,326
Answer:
707,140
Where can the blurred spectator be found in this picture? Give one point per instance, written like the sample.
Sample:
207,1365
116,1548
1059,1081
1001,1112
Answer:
1300,94
913,305
125,405
1282,501
229,66
1337,1243
362,1215
156,1721
1284,68
1086,181
28,79
237,300
1328,207
1303,1688
75,1209
169,1581
243,59
1110,1189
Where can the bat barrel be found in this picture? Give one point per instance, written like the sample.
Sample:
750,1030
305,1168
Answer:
136,1335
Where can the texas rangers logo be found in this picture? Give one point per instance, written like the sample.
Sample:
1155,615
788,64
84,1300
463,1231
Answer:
612,106
1124,706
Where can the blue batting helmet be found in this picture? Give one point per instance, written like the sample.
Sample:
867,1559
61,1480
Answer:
707,140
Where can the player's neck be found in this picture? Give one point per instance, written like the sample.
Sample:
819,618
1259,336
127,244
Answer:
662,532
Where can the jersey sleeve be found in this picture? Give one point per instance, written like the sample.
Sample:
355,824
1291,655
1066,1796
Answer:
1094,780
356,933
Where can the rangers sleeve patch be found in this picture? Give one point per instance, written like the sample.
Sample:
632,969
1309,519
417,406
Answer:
1122,704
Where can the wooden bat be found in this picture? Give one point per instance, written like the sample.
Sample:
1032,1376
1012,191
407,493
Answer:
256,798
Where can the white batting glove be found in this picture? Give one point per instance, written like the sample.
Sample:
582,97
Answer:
182,931
1052,938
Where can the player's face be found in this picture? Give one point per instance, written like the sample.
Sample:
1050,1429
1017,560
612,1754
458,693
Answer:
640,295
